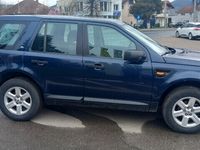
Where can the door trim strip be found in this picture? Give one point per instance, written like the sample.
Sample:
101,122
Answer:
61,97
114,101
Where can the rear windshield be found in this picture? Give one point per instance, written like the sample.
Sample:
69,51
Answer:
198,25
10,33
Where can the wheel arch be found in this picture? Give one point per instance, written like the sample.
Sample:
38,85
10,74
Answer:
19,74
175,86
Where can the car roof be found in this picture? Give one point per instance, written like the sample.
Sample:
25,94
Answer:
58,17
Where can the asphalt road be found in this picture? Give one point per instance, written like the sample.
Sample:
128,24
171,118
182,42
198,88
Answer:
167,37
73,128
160,33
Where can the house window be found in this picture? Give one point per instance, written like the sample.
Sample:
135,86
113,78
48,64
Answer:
116,7
65,9
80,6
104,6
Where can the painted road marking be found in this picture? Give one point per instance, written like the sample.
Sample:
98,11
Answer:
56,119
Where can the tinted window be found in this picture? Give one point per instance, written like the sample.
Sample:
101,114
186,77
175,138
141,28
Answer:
108,42
57,38
10,34
185,25
198,26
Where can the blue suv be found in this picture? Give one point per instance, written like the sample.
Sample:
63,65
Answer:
95,62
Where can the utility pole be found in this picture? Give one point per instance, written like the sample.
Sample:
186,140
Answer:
18,9
0,7
165,13
195,11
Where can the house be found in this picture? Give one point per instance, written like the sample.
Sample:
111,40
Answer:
54,10
101,8
4,7
126,16
166,16
186,14
27,7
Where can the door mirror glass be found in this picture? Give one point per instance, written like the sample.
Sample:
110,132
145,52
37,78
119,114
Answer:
136,57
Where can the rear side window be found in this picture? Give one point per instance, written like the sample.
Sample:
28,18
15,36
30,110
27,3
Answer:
10,33
57,38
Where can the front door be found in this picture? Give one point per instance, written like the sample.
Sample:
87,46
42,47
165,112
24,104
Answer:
55,59
108,77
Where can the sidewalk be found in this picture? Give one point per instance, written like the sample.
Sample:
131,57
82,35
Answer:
157,29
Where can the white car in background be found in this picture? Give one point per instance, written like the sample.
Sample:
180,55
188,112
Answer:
191,30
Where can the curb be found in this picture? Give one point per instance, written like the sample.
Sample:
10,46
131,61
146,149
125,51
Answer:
157,29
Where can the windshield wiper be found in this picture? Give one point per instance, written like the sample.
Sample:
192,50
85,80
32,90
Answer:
168,52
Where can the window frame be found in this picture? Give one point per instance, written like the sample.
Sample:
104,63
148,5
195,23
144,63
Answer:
79,36
121,31
116,7
18,42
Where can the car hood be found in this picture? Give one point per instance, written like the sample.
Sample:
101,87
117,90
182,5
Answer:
183,57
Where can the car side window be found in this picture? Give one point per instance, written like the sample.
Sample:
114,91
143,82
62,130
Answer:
57,38
107,42
10,34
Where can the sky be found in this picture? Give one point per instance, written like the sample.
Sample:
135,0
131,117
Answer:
46,2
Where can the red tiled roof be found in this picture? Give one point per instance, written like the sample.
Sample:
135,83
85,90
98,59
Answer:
187,9
27,7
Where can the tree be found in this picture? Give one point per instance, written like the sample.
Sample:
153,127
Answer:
71,8
146,8
92,8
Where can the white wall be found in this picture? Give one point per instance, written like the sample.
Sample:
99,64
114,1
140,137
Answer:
64,3
185,17
182,18
113,2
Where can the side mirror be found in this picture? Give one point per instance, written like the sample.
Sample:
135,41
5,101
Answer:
136,57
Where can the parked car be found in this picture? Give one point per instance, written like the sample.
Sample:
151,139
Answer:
176,25
94,62
190,30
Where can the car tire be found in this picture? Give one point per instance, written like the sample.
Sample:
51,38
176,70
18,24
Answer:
181,110
190,36
20,99
177,34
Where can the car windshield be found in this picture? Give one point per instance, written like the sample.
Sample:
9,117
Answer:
161,50
198,25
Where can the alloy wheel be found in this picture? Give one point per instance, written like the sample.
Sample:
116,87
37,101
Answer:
186,112
177,34
190,36
17,100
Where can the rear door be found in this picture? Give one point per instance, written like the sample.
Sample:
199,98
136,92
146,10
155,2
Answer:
184,29
55,59
11,37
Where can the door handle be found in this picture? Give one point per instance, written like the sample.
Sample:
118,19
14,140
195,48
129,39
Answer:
96,66
39,62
